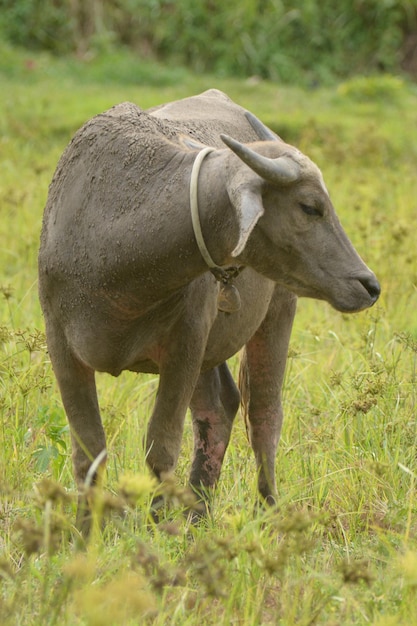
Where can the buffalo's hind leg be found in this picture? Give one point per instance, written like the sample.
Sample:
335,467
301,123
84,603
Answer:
77,385
213,407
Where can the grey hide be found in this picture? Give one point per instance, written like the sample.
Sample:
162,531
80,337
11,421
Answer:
123,284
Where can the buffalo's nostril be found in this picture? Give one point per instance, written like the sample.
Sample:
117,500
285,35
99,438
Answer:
372,286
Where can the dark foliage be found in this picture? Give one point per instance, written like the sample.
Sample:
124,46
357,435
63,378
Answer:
287,40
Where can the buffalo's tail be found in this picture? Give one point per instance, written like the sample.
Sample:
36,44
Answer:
243,384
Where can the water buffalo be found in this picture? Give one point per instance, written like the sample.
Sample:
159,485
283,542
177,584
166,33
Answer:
131,278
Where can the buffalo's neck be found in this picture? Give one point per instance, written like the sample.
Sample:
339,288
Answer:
217,216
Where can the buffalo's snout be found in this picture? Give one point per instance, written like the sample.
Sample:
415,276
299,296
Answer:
371,285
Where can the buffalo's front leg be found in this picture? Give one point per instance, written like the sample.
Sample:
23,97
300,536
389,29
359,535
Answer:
262,373
213,406
179,370
165,428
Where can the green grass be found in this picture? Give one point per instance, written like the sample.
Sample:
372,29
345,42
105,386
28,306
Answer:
343,549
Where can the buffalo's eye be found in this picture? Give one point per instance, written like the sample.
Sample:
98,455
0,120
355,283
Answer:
311,210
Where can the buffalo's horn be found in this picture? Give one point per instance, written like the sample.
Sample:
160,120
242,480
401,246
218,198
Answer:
280,171
264,133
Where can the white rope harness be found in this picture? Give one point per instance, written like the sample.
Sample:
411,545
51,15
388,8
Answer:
228,297
195,217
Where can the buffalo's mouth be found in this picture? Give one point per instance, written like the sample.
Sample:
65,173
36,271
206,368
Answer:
363,292
348,296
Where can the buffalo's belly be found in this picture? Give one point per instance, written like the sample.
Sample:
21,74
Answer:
112,345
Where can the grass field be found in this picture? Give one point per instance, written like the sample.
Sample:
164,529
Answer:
343,548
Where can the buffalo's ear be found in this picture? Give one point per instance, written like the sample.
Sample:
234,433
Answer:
247,201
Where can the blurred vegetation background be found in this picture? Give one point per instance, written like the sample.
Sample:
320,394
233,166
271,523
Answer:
305,41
